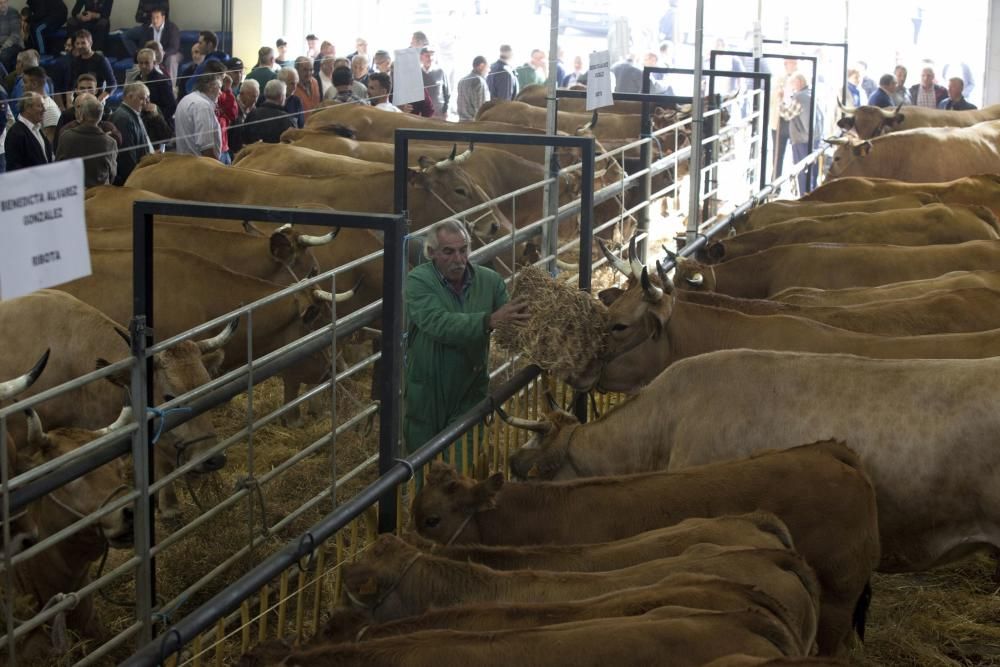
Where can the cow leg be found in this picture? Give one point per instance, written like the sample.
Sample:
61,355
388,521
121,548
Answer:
167,497
861,611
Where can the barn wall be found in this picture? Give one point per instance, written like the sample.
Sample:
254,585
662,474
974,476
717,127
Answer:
991,92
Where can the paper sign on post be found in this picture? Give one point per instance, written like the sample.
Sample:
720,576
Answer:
599,81
43,231
407,77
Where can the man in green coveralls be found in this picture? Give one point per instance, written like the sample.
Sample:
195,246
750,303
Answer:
451,308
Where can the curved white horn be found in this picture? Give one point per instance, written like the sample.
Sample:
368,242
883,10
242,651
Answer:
340,297
890,113
283,229
35,433
837,141
695,280
848,111
614,260
14,387
124,418
211,344
527,424
634,264
463,157
652,291
566,266
306,240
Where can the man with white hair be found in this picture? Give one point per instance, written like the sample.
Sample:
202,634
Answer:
198,130
26,145
451,308
87,140
269,120
128,119
293,105
246,102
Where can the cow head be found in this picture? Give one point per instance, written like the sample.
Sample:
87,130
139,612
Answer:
290,248
868,122
547,452
178,370
849,156
445,507
693,275
373,583
636,314
86,494
447,191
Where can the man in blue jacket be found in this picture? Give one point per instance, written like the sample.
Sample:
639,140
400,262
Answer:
955,100
451,308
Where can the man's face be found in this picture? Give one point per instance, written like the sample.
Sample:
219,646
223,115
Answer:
34,84
361,46
304,69
577,63
4,5
426,59
791,66
195,52
537,59
927,77
955,89
891,87
506,55
282,50
376,91
86,86
203,46
481,68
248,97
33,110
311,44
157,18
328,51
326,67
145,63
383,65
213,91
452,255
137,100
291,80
81,46
900,76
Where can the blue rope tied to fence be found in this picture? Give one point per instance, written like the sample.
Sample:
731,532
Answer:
162,415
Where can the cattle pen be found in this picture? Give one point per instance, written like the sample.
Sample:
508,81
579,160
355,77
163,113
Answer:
281,571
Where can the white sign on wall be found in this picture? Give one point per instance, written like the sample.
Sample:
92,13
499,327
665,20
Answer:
599,81
43,231
407,77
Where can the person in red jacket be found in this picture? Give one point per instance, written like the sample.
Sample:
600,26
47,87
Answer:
226,109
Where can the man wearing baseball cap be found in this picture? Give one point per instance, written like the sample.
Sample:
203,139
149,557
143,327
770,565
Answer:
281,57
435,82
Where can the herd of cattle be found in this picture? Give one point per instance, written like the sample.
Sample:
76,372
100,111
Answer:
799,327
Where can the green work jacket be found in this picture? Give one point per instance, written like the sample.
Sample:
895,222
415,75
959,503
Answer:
447,349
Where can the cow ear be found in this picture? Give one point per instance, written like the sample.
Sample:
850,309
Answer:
862,149
610,295
281,247
484,493
425,162
310,314
716,251
213,362
122,378
415,177
846,123
897,119
440,473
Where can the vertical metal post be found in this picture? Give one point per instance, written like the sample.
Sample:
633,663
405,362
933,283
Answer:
645,162
586,243
765,131
812,125
694,175
8,548
550,193
142,457
388,380
142,312
847,28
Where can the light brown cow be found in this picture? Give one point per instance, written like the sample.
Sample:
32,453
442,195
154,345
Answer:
832,266
957,151
868,121
780,211
982,189
937,496
690,637
433,194
928,225
65,567
758,529
797,485
940,311
849,296
42,319
744,660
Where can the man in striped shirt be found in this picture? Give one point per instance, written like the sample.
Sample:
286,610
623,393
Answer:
927,93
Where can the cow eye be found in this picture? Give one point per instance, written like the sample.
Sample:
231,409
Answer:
619,327
460,192
168,397
432,521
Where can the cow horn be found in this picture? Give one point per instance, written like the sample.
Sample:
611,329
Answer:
614,260
695,280
664,278
283,229
589,126
216,342
14,387
526,424
306,240
651,290
553,403
635,266
837,141
887,114
124,418
566,266
847,111
465,155
672,256
341,297
36,436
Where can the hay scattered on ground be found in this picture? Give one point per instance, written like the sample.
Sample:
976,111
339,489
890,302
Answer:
566,329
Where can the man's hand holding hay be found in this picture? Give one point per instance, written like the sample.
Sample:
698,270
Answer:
512,312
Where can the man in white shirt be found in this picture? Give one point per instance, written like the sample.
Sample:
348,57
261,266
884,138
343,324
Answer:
198,130
472,89
25,145
379,85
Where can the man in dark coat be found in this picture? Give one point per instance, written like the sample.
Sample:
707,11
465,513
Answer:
95,16
44,18
128,119
87,140
269,120
26,145
168,36
501,80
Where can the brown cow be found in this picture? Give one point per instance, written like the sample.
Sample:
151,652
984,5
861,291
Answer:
868,121
957,151
937,498
65,567
850,296
797,485
940,311
928,225
42,319
832,266
758,529
780,211
982,189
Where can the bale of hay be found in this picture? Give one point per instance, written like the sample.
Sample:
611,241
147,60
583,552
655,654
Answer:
566,329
